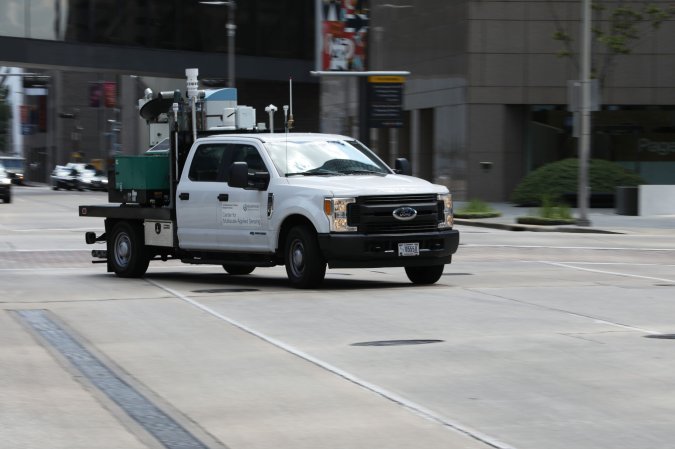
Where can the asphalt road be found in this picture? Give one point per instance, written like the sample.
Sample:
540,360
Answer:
529,341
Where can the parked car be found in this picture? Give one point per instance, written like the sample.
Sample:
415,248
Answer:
78,176
15,167
64,177
92,179
5,185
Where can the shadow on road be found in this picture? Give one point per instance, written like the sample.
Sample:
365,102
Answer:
226,283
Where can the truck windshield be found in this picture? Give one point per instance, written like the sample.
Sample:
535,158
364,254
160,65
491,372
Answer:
14,164
324,158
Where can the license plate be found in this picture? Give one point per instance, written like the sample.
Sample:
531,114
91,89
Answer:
409,249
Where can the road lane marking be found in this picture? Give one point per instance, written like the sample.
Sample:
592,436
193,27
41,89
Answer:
594,248
614,273
405,403
630,264
567,312
595,319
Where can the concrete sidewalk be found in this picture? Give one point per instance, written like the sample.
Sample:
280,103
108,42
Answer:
603,221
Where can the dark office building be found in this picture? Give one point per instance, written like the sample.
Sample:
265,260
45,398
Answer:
487,99
100,55
485,104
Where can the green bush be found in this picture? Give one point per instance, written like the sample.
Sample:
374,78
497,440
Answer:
554,211
558,178
550,213
476,209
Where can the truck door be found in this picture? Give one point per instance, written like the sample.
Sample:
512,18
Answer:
243,214
210,214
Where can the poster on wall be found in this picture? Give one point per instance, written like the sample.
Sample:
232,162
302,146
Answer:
343,33
94,95
109,94
103,94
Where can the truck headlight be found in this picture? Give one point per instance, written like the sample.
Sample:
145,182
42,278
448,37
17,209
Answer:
445,214
336,211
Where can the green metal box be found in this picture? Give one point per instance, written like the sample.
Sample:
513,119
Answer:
144,172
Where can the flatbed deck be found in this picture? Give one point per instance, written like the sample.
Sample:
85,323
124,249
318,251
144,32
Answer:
126,211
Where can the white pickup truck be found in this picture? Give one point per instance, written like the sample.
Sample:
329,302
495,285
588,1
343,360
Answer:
306,201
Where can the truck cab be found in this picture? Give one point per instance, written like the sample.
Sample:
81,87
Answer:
311,200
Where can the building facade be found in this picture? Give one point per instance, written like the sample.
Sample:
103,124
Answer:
94,59
487,98
485,104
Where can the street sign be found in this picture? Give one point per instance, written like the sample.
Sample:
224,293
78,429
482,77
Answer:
574,95
385,101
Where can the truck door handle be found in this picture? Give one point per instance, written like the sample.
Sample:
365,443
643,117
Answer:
223,197
184,196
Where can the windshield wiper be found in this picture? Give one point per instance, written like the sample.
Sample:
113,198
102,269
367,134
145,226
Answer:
362,172
315,172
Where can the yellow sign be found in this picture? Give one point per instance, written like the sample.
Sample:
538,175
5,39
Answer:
386,79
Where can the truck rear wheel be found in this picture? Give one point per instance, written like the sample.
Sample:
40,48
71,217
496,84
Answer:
305,265
238,269
128,254
424,275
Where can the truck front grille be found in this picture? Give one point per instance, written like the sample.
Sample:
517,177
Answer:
374,214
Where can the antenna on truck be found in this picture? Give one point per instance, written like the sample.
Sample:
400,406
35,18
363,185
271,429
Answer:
289,124
192,92
271,109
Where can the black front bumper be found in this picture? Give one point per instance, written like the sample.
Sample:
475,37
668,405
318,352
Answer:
381,250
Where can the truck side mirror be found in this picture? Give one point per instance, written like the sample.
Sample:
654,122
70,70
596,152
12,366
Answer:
241,178
239,175
402,166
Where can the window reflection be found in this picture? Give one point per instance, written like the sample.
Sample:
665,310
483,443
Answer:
275,28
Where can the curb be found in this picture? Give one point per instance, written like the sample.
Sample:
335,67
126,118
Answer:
533,228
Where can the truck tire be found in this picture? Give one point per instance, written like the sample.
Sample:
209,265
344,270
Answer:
424,275
238,269
305,265
128,254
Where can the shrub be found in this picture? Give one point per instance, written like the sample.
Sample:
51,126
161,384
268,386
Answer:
550,213
554,211
555,179
476,209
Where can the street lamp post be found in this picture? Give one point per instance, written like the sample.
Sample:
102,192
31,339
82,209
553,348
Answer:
380,29
585,135
390,137
231,35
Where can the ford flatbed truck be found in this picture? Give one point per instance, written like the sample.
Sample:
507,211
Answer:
245,199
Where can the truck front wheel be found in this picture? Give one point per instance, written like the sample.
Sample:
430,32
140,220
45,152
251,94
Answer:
305,265
128,255
424,275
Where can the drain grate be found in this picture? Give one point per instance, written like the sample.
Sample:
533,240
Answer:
396,342
661,336
159,424
226,290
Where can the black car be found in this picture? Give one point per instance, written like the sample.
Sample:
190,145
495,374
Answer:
5,186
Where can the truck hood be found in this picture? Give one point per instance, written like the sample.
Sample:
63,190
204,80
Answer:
360,185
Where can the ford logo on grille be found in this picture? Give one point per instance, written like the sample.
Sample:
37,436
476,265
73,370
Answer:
404,213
